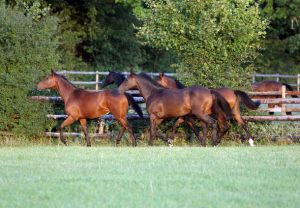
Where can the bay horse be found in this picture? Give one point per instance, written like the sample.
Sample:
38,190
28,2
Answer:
270,85
233,97
162,103
83,104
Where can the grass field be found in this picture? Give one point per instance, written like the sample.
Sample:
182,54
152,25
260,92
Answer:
150,177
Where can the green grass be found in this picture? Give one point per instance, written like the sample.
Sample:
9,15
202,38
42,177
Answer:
150,177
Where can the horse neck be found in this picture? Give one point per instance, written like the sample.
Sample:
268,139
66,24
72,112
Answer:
146,88
171,83
65,88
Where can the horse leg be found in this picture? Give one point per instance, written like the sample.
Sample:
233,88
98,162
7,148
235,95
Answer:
154,122
120,134
179,121
208,120
202,140
152,131
85,130
223,128
191,122
271,106
125,125
244,124
66,122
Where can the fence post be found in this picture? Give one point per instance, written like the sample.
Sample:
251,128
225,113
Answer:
100,126
97,80
283,95
253,78
277,78
298,82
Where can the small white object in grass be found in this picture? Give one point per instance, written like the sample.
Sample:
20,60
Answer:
170,141
251,142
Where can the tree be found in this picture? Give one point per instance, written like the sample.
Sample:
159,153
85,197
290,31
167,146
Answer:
282,43
28,50
216,41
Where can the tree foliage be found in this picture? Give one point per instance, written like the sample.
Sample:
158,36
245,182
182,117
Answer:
217,41
28,50
282,43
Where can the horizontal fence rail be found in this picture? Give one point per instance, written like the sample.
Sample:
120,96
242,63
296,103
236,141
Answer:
278,77
98,74
272,118
281,101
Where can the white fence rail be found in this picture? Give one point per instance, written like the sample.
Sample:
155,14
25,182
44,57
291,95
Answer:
278,78
98,74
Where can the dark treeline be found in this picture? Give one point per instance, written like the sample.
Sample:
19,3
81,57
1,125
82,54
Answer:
102,35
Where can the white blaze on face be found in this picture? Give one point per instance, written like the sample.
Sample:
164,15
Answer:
251,142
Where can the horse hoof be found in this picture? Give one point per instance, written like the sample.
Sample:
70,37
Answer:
88,145
251,142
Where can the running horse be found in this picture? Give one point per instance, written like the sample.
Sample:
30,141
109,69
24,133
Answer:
270,85
162,103
233,97
82,104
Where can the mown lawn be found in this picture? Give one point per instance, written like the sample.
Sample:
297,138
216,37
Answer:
150,177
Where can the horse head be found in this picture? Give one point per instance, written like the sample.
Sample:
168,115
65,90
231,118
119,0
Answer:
129,83
49,82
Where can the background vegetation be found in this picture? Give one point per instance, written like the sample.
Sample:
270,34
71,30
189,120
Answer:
207,42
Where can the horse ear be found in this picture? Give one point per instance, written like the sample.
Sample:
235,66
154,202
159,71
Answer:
132,73
161,75
53,71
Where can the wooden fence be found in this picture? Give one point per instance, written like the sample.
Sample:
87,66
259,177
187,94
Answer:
283,104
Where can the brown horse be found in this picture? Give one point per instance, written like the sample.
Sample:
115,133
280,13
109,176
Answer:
118,78
233,97
83,104
164,103
270,85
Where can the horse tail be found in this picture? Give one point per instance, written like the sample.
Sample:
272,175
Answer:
134,105
244,98
290,88
220,101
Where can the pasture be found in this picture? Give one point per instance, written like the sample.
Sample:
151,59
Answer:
56,176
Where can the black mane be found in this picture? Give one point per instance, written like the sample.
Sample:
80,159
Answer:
179,84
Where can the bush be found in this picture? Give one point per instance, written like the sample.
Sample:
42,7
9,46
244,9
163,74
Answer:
217,41
28,50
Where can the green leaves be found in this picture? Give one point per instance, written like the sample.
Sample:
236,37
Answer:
282,48
28,50
214,39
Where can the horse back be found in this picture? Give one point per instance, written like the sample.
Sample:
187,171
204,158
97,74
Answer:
228,95
266,86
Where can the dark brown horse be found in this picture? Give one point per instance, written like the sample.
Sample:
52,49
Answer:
269,86
233,97
83,104
164,103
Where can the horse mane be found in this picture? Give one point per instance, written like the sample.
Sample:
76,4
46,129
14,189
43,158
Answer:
118,77
65,78
179,84
148,78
